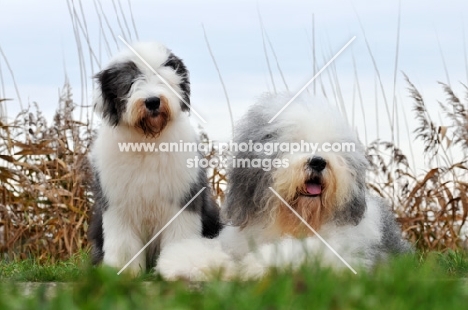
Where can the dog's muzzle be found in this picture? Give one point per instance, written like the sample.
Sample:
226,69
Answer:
313,186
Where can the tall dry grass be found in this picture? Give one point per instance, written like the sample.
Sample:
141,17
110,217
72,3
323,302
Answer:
45,197
44,190
432,206
44,194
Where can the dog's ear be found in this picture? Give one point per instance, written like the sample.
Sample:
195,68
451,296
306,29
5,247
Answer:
113,85
179,67
247,195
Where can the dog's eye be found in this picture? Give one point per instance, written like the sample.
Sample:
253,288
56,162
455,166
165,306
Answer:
117,80
267,136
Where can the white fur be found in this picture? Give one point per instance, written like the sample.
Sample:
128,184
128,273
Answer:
144,189
349,241
195,259
261,245
155,54
251,252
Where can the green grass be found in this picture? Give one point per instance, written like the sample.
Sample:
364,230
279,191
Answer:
32,271
453,262
437,281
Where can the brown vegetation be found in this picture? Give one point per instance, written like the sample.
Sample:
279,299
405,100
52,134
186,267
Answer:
45,198
432,207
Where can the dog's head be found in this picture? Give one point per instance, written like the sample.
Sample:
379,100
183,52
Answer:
321,185
129,93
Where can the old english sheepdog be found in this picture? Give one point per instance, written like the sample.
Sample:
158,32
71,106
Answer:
324,183
137,192
326,186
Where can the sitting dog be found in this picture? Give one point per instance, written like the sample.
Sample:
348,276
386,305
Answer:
138,189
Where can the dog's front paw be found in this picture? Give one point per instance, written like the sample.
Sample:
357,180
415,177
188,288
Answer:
195,260
252,268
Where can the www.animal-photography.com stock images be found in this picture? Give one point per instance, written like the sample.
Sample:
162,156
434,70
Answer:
233,154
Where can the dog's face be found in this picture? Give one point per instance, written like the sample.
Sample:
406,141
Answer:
320,186
130,94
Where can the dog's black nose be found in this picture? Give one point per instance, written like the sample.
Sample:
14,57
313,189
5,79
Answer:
152,103
317,163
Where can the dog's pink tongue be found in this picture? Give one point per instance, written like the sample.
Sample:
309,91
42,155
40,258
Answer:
314,189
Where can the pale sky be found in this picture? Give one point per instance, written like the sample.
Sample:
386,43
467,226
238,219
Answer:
37,38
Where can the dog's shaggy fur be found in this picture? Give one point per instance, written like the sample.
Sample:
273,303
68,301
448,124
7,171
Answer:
137,193
327,189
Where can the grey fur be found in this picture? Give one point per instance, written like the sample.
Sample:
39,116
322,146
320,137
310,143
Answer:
247,188
179,67
95,231
354,210
248,196
391,241
115,83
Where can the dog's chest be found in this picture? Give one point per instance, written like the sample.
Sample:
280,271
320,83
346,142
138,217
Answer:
146,182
